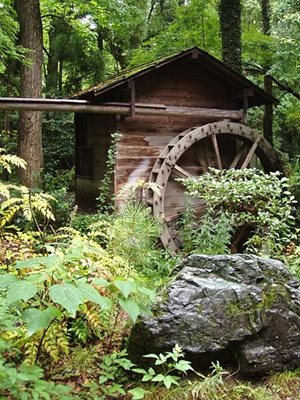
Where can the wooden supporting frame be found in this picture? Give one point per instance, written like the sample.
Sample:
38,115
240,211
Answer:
131,85
245,104
126,109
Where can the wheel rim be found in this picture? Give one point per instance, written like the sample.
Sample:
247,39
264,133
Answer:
215,144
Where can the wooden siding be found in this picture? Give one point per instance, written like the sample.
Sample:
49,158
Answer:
143,138
183,84
186,85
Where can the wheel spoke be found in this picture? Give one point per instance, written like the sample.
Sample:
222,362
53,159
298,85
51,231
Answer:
216,149
203,158
238,156
181,172
251,153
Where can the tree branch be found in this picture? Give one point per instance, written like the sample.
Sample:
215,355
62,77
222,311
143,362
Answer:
284,86
257,69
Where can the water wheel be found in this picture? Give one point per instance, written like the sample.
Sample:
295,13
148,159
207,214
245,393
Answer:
222,145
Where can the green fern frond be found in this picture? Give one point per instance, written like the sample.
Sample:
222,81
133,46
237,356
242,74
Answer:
7,161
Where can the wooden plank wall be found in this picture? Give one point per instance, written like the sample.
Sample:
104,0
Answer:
143,138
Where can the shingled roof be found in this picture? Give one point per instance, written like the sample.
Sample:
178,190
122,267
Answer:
259,96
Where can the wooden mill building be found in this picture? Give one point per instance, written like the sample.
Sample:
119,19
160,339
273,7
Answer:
176,117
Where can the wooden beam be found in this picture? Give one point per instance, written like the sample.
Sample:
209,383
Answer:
238,156
84,106
131,85
181,172
251,152
245,105
216,149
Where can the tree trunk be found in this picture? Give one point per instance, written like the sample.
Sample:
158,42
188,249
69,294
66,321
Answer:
268,84
53,61
30,123
230,25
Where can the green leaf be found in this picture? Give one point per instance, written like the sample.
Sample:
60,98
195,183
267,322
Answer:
103,379
151,356
48,261
7,279
158,378
125,287
147,378
36,320
21,290
139,370
138,393
183,366
131,307
67,295
89,293
170,380
101,282
151,294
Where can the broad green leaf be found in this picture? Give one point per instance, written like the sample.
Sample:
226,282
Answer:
125,287
103,379
67,295
48,261
147,378
147,292
158,378
131,307
183,366
101,282
89,293
33,372
7,279
21,290
170,380
36,320
138,393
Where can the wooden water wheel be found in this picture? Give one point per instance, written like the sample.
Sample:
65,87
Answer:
221,145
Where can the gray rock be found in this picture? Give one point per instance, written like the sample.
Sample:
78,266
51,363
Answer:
239,309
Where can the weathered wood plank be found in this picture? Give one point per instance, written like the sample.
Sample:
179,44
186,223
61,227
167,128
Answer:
251,153
217,151
181,172
102,108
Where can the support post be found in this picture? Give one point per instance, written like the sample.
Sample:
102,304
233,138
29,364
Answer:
131,85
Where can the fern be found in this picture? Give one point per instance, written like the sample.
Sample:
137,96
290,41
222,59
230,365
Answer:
93,319
7,161
80,330
31,349
56,342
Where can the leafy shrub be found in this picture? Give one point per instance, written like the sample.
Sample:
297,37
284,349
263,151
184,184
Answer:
54,293
21,382
210,235
293,172
249,197
83,223
61,179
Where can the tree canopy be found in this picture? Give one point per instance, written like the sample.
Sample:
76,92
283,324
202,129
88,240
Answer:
86,42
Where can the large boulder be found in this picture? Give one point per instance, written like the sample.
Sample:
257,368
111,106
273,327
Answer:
239,309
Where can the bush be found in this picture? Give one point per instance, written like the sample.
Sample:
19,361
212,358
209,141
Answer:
252,198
